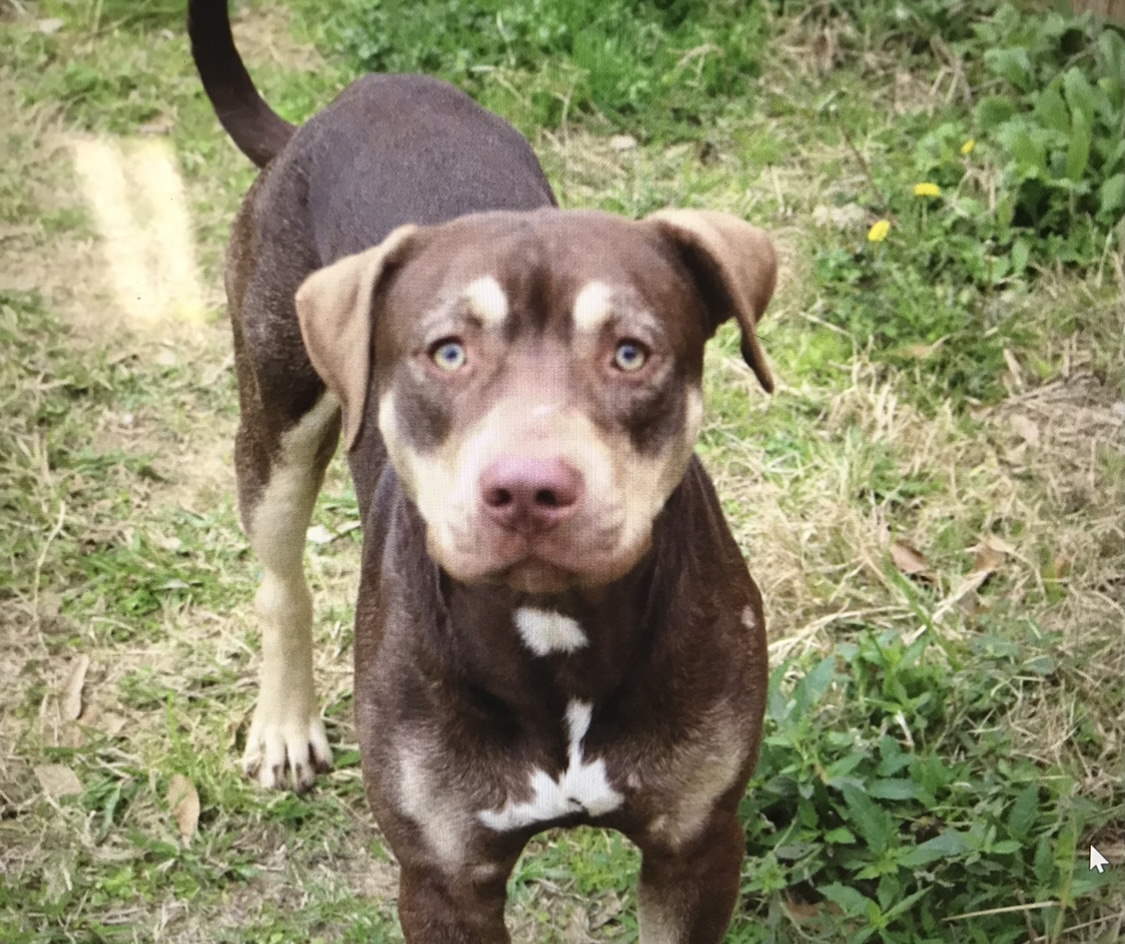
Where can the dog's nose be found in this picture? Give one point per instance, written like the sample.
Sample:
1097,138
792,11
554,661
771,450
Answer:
530,495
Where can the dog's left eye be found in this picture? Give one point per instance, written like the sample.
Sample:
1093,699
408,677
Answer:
448,354
630,356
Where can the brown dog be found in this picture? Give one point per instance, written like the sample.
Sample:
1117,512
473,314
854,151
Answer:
554,623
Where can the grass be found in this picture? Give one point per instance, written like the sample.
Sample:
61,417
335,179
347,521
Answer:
931,502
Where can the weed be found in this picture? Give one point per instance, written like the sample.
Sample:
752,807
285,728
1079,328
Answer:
894,818
1033,176
548,61
939,743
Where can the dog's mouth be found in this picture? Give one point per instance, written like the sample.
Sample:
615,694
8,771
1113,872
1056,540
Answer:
567,558
541,567
534,575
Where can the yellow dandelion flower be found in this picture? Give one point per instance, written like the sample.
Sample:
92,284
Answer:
878,231
927,190
967,147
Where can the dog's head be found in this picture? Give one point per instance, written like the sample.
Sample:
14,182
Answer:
536,376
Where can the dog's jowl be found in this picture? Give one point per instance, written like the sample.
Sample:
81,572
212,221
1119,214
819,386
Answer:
554,624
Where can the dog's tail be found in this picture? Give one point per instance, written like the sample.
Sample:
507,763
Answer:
257,129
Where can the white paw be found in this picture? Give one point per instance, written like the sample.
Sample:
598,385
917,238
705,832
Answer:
285,752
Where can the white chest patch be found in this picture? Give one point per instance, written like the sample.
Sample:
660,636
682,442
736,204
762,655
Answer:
581,787
544,632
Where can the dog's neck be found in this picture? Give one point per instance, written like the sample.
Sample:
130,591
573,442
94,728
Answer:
521,647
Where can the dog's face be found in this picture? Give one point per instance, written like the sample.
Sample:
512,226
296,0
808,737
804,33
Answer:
536,377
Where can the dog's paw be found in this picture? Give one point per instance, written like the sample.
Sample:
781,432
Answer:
286,753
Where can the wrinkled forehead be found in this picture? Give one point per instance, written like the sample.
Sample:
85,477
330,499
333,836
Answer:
548,272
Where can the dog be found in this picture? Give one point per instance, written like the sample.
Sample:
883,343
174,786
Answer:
555,625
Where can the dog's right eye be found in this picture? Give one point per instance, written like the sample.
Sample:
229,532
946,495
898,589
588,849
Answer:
448,354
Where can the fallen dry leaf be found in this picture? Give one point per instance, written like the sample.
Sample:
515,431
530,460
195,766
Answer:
72,692
849,216
987,559
1014,369
319,534
803,911
969,584
183,799
909,559
963,596
58,780
1027,429
1060,567
112,723
999,544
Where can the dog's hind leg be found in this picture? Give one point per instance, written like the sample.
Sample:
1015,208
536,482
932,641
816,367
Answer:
279,476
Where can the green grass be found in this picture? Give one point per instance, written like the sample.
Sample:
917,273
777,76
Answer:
939,742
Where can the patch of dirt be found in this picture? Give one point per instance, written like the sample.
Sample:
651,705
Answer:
264,33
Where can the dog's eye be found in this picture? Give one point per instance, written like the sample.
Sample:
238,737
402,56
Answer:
630,356
448,354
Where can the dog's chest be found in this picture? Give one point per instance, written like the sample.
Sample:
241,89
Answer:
581,786
561,746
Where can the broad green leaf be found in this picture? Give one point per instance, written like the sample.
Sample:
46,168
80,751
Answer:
949,844
1005,211
1023,811
1021,249
777,701
1081,96
994,110
1025,147
893,789
845,765
1013,65
1051,109
812,687
872,823
1044,861
1111,52
1078,152
848,899
839,836
906,902
1112,195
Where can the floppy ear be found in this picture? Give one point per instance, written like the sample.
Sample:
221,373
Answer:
334,310
735,267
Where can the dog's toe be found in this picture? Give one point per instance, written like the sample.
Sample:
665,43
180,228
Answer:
281,755
319,751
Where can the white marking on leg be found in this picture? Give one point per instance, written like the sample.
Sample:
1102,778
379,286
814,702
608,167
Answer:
660,921
582,787
592,306
437,813
287,729
486,300
702,774
544,632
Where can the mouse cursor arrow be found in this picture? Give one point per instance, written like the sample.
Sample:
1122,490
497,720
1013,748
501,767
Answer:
1097,860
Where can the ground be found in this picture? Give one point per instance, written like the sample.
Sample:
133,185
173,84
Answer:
943,574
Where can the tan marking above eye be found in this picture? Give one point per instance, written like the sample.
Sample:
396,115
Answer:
486,299
592,306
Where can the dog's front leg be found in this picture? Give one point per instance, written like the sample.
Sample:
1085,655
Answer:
687,893
461,906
